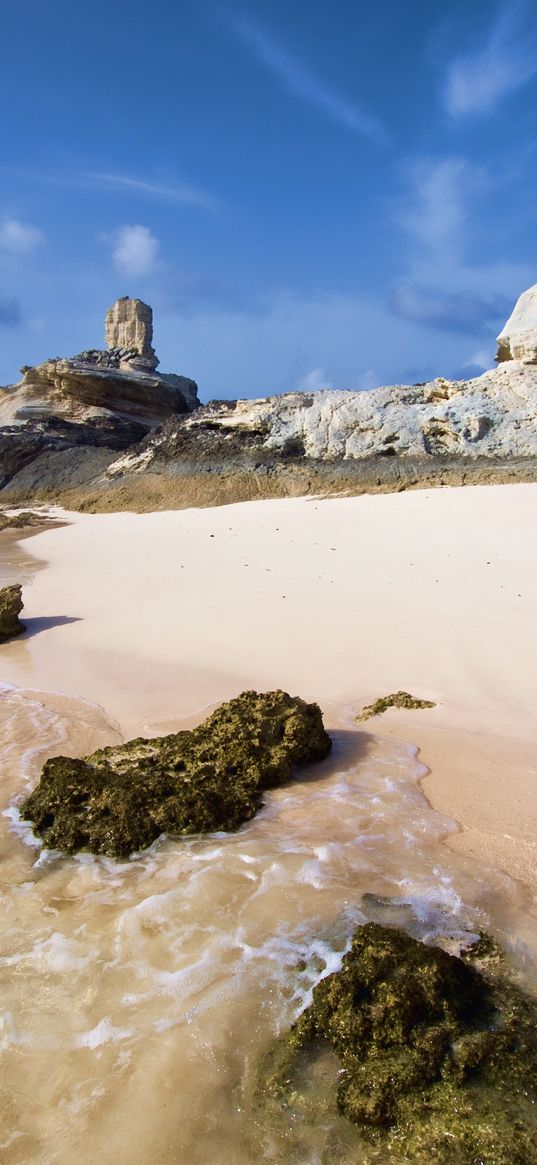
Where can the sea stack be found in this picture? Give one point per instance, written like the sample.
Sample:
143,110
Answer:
128,330
518,339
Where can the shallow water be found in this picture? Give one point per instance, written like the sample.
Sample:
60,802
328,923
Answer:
141,995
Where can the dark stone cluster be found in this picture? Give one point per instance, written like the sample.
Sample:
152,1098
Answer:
107,357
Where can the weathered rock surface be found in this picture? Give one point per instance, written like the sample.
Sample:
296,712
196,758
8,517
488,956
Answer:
518,339
11,605
437,1054
494,415
82,392
128,329
173,453
120,799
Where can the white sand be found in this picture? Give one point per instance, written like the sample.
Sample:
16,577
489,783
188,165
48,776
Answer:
340,600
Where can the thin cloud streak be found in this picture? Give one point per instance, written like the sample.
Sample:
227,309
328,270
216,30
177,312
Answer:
174,192
477,82
299,79
180,192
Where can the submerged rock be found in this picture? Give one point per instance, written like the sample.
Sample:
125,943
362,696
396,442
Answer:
395,700
11,605
437,1054
120,799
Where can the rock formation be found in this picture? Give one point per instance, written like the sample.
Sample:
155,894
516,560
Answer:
96,401
518,339
174,453
437,1054
128,329
120,799
11,605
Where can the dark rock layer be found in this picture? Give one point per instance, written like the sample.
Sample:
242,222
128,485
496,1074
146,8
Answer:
120,799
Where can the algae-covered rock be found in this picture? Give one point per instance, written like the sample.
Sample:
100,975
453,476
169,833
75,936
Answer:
11,605
395,700
121,798
437,1054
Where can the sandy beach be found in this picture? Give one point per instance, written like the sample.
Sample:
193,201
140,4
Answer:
143,994
157,616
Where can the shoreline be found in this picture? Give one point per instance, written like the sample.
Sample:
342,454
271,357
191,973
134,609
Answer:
479,745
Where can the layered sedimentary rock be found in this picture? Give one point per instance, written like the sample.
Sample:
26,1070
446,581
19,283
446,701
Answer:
518,339
95,402
121,798
11,605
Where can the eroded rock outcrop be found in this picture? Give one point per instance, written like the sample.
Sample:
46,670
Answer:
120,799
518,339
436,1054
98,400
11,605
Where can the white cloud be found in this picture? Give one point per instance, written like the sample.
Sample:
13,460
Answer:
313,381
507,59
301,81
135,251
442,214
19,238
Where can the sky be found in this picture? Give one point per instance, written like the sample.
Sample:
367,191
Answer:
309,195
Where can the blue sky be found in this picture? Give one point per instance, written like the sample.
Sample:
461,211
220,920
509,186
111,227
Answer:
308,195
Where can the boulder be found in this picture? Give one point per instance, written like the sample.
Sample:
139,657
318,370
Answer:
436,1054
120,799
518,339
11,605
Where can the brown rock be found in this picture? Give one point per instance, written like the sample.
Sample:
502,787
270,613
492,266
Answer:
11,605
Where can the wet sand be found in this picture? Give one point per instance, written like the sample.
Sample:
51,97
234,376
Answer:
157,616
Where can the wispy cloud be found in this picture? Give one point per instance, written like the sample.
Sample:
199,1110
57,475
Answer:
477,81
172,192
135,251
299,79
439,192
18,238
112,182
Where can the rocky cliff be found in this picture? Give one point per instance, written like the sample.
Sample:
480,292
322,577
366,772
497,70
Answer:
172,453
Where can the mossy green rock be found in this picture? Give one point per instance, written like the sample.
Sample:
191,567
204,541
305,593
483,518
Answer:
11,605
438,1054
394,700
120,799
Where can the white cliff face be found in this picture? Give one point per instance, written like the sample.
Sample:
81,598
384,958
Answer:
518,339
494,415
